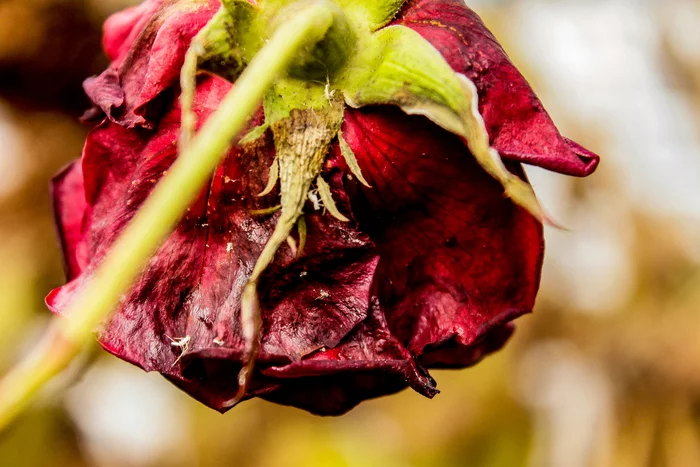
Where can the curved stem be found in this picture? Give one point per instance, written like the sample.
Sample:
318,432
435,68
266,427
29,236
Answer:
160,213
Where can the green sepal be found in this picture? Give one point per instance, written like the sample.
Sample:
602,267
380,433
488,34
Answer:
254,134
302,141
301,228
325,56
350,159
266,211
397,66
229,41
372,13
224,46
272,179
324,191
290,94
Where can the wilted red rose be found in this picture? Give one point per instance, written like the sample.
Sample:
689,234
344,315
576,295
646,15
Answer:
429,273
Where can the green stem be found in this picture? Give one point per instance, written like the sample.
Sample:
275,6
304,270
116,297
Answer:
160,213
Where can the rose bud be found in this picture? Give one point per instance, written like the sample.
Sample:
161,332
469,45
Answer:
358,234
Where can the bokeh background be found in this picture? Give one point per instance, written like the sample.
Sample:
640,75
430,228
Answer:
606,372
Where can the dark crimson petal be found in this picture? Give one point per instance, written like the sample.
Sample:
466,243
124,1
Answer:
123,28
148,45
369,363
191,287
519,127
70,207
212,380
319,301
453,354
458,260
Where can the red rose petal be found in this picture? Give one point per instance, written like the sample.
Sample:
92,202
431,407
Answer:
457,258
519,126
157,35
122,28
369,363
70,208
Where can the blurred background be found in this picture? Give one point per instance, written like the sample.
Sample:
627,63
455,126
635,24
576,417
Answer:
606,372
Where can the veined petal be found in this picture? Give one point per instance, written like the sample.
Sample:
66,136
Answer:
458,261
399,67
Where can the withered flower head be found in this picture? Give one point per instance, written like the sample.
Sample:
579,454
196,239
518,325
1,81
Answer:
394,249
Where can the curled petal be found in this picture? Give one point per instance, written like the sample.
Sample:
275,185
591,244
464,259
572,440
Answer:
519,126
148,45
369,363
122,28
